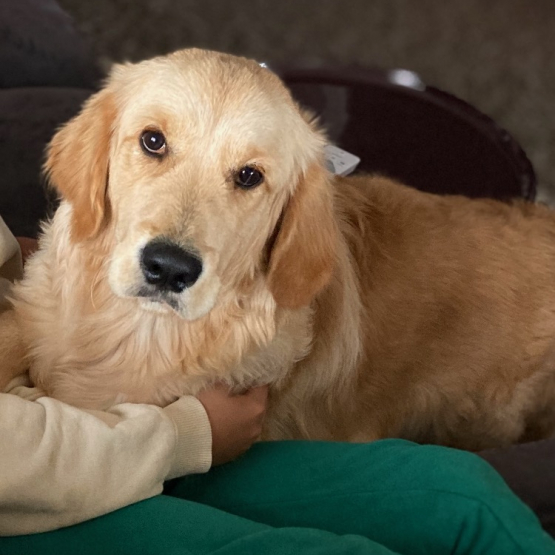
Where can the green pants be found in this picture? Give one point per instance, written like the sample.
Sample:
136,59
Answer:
284,498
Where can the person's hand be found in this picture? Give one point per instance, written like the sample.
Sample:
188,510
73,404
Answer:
236,420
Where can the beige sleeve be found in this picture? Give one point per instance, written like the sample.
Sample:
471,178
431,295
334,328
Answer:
60,465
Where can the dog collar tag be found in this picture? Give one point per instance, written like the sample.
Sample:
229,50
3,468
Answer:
339,161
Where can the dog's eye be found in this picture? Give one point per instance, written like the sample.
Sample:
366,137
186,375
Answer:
248,177
153,143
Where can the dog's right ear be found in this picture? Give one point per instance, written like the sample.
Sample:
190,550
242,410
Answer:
303,257
78,162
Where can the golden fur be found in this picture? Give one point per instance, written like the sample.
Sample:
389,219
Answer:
374,310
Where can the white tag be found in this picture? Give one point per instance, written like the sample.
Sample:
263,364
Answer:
339,161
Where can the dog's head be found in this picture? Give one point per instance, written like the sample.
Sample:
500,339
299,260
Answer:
206,176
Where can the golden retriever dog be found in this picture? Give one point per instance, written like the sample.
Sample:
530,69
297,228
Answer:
200,239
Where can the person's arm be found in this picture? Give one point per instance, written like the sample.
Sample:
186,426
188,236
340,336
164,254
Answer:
60,465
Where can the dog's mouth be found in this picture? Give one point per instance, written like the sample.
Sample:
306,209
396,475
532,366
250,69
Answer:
156,300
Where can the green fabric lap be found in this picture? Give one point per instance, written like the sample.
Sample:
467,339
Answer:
166,525
411,498
381,498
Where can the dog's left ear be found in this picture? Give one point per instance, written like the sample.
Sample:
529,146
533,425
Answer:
303,256
77,164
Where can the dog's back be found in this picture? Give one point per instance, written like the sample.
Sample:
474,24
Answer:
458,319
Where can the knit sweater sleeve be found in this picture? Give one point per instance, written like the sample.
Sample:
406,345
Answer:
60,465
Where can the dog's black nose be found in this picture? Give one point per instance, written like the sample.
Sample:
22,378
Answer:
169,267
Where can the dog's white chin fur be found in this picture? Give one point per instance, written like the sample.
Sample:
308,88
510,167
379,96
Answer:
155,306
182,310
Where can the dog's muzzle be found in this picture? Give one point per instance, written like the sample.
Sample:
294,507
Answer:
169,268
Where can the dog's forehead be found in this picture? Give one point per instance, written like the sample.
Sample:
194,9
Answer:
206,96
205,87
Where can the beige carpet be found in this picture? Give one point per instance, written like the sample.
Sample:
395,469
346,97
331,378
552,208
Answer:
496,54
